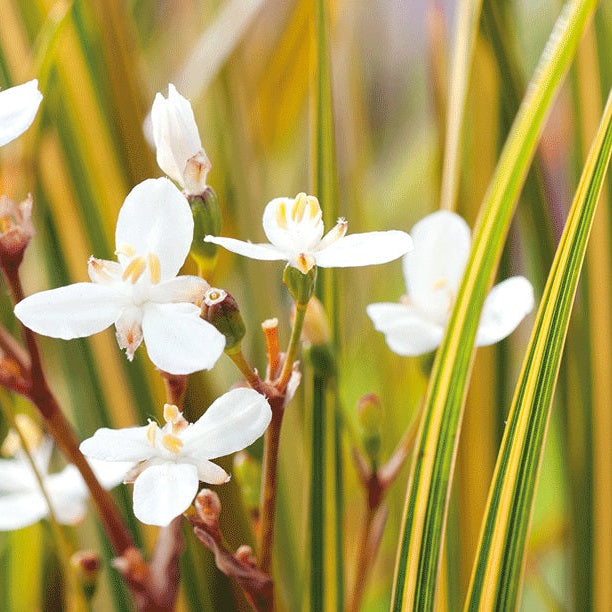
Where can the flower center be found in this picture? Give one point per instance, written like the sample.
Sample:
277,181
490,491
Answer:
170,440
303,209
138,264
443,283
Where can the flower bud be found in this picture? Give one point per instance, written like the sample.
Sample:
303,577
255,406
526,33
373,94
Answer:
247,471
206,220
316,329
208,507
179,148
16,230
301,286
220,309
369,411
86,564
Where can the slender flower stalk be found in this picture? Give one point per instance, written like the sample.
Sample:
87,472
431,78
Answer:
61,431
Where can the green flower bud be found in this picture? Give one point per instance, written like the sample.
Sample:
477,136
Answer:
247,472
86,564
220,309
301,286
207,220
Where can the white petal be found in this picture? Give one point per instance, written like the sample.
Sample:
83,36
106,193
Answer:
233,422
175,133
505,307
73,311
22,509
263,252
364,249
110,473
211,473
179,289
178,341
67,492
18,107
15,475
434,268
156,218
163,492
127,444
294,235
69,511
407,331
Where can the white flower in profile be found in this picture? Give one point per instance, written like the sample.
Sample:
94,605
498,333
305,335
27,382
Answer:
22,501
294,227
177,140
140,294
174,458
433,273
18,107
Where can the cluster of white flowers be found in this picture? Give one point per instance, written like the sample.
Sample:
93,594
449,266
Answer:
142,296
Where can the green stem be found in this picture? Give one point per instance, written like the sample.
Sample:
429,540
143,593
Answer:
294,345
317,493
63,547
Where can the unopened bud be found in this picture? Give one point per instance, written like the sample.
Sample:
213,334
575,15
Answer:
208,507
245,555
247,472
16,230
220,309
316,326
206,220
86,564
301,286
369,411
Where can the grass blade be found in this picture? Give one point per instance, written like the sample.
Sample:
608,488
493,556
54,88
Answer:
497,572
468,13
425,509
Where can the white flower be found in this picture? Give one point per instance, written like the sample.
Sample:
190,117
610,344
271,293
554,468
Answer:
22,502
179,148
174,458
18,107
140,294
294,226
433,273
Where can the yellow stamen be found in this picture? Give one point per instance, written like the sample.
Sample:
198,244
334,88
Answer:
314,208
172,443
171,413
441,282
154,268
152,433
126,249
299,206
133,271
281,215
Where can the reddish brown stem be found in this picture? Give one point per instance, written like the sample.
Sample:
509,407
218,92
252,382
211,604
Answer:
269,480
59,428
176,385
256,584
